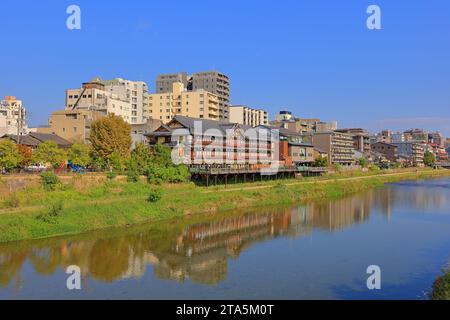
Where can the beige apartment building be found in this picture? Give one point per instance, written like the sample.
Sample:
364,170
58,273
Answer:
248,116
339,146
12,117
195,104
72,125
92,101
211,81
93,96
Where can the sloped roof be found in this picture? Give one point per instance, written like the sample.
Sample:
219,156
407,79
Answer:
34,139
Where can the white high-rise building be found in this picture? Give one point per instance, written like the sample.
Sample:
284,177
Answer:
136,92
12,117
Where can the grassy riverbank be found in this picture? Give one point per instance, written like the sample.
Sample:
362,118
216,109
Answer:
79,206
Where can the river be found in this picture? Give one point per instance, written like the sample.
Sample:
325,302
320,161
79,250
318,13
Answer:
318,250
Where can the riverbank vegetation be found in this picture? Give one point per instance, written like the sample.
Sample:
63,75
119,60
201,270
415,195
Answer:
87,203
441,287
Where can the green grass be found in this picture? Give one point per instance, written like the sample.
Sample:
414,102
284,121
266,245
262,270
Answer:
441,288
35,213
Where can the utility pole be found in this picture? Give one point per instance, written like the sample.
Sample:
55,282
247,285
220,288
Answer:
20,117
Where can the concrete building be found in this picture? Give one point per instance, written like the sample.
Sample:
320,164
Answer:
164,82
436,138
72,125
388,150
339,146
412,151
93,96
12,117
294,150
397,137
361,139
211,81
195,104
135,92
288,121
217,83
248,116
416,135
139,131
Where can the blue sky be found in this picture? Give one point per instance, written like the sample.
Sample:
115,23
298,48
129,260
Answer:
314,57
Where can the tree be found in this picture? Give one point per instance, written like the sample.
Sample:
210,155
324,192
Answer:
362,162
162,169
79,154
429,159
321,162
140,158
26,154
9,155
111,135
49,153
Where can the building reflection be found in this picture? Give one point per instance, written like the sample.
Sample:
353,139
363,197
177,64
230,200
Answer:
197,251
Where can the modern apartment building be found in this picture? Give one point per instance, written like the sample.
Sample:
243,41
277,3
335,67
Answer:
288,121
416,135
211,81
164,82
339,146
12,117
436,138
248,116
217,83
196,104
388,150
412,151
136,92
93,96
361,138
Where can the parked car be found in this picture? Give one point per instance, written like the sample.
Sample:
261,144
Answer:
36,168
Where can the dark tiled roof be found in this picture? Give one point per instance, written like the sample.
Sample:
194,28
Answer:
34,139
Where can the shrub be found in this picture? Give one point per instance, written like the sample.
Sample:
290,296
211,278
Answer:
154,196
441,288
53,212
111,175
49,180
170,174
133,176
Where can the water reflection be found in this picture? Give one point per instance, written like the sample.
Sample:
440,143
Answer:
200,248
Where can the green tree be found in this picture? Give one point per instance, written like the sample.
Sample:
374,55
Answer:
10,156
161,168
140,158
362,162
111,137
49,153
429,159
321,162
79,154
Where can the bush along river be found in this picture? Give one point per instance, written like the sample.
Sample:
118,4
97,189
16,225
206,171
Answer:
318,250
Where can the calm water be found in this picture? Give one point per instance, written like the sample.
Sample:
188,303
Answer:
318,250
